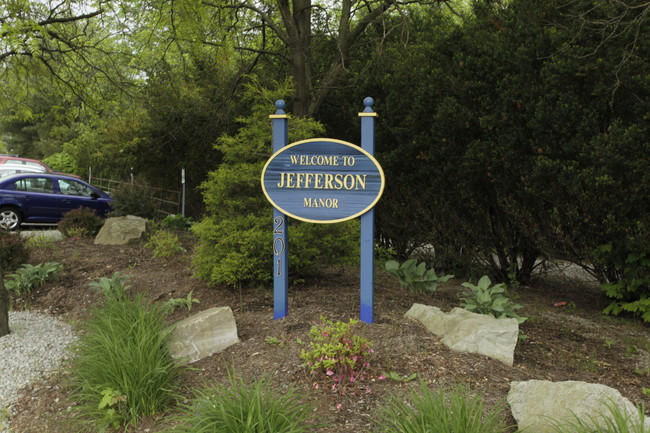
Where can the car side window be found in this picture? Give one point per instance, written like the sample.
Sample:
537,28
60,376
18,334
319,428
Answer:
70,187
35,184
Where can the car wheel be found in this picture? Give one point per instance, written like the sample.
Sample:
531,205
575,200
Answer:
9,218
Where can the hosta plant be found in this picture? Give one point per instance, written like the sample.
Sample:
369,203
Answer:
115,285
414,276
29,277
485,298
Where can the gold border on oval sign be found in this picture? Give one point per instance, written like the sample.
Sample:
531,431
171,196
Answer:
362,150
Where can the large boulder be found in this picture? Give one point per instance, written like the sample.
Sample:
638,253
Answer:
537,404
203,334
464,331
122,230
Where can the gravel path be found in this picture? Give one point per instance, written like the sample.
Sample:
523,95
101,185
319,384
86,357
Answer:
36,347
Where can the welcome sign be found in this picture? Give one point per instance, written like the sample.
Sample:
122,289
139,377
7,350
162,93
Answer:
323,180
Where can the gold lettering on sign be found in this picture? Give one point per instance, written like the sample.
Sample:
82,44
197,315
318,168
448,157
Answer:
332,160
331,203
334,181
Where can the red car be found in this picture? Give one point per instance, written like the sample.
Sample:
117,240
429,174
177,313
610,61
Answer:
9,159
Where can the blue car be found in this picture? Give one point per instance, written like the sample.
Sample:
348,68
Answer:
40,198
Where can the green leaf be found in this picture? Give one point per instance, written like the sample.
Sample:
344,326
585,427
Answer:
392,266
420,269
483,297
484,282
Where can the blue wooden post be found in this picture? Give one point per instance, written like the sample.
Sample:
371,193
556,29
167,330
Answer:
280,229
367,271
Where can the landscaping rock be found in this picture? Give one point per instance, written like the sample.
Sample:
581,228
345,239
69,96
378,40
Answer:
536,404
54,235
204,334
464,331
122,230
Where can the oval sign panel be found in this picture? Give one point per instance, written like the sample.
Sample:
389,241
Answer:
322,180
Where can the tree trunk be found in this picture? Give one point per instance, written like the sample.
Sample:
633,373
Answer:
297,22
4,307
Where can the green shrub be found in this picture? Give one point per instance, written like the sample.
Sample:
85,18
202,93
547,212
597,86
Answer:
134,199
176,222
62,161
13,251
336,354
81,222
628,275
440,411
416,277
29,277
123,369
240,408
164,244
235,239
482,298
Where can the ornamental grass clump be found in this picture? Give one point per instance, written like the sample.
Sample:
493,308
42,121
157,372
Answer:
613,420
336,355
123,369
237,407
440,411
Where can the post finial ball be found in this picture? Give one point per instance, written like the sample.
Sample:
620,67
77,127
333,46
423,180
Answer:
368,102
280,104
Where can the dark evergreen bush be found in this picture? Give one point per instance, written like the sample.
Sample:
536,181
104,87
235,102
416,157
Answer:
13,251
510,141
81,222
136,199
235,235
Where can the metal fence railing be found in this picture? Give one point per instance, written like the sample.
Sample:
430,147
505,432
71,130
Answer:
168,201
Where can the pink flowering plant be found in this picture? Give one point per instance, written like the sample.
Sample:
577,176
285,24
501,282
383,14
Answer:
336,354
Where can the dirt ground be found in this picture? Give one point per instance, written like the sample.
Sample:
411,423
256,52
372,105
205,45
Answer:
567,337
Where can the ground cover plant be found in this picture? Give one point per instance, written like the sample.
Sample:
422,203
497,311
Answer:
164,243
335,353
568,341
